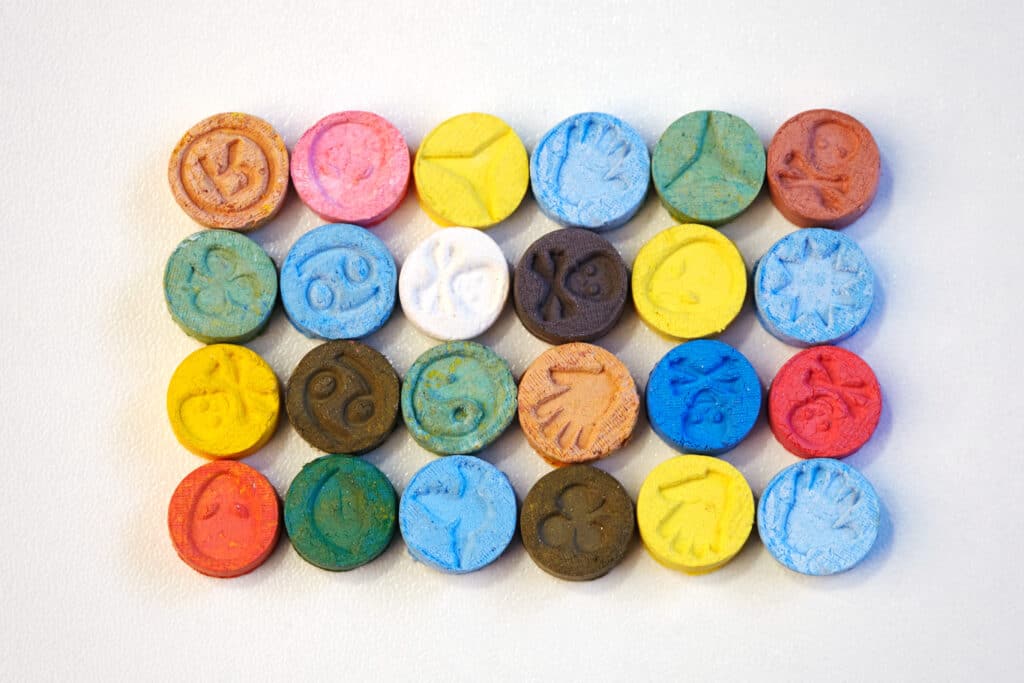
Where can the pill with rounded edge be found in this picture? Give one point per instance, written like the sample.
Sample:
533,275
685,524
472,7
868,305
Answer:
351,167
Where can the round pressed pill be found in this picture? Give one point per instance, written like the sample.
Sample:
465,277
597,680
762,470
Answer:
342,397
577,522
825,402
340,512
220,286
813,286
695,512
338,282
590,171
689,281
577,402
570,285
230,171
819,517
471,170
454,284
224,519
703,397
458,514
223,401
458,397
708,167
351,167
823,169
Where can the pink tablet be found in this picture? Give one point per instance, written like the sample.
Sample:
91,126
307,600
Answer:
351,167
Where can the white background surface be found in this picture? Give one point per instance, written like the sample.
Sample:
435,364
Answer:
93,98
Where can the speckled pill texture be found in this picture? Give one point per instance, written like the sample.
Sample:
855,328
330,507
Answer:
340,512
458,397
708,167
458,514
220,286
813,286
591,171
338,282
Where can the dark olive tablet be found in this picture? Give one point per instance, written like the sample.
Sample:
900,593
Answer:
571,285
342,397
340,512
577,522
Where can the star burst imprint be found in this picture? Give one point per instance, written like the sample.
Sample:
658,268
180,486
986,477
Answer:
816,280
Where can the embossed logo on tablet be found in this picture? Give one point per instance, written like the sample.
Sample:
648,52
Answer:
570,282
226,509
816,278
588,165
463,507
340,513
339,397
223,284
823,164
224,170
230,397
695,522
453,405
334,167
453,282
340,279
706,392
578,400
822,516
680,280
712,169
833,399
467,168
579,523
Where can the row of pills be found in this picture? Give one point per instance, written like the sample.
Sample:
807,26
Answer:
591,170
575,403
339,281
459,514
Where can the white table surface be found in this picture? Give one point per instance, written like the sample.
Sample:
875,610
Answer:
93,98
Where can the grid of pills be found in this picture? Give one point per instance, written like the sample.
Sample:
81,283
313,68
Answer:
576,403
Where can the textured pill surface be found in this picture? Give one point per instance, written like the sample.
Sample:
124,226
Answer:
708,167
577,402
825,402
577,522
220,286
823,169
338,282
570,285
454,284
458,514
342,397
819,517
812,287
471,170
695,512
703,397
230,171
590,171
458,397
689,281
340,512
351,167
223,401
224,519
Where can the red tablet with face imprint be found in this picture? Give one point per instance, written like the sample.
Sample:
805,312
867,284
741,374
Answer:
224,519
